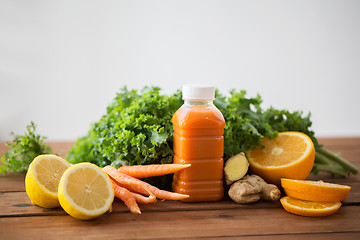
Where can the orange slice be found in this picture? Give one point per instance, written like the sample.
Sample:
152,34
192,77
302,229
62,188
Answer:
309,208
289,155
318,191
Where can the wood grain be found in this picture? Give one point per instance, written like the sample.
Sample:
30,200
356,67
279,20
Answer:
182,224
299,236
18,204
20,219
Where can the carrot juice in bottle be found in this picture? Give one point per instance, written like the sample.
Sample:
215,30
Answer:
198,140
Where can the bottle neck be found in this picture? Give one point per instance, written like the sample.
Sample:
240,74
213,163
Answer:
198,103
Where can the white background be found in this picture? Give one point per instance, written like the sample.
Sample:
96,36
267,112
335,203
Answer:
61,62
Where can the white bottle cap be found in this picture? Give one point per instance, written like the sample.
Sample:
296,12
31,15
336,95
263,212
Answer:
198,92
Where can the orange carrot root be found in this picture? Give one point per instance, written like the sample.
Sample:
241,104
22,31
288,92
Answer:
153,170
162,194
120,177
136,185
127,197
142,199
127,182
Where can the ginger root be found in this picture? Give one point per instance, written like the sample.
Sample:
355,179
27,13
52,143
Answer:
235,168
251,188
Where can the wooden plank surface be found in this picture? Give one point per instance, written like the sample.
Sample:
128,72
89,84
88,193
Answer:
176,220
182,224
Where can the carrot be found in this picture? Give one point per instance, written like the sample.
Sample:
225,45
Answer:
136,185
142,199
162,194
120,177
127,197
125,181
153,170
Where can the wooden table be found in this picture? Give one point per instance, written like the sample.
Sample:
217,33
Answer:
19,219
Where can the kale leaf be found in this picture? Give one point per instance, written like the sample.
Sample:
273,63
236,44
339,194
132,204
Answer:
136,129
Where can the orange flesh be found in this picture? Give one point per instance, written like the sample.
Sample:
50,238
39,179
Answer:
279,146
198,140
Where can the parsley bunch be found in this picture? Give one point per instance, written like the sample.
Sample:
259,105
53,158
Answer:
22,150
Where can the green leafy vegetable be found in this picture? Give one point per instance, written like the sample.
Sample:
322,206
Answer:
23,149
247,124
137,129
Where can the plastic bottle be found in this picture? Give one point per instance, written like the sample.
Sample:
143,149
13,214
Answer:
198,140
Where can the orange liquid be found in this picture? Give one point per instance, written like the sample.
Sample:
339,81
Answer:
198,139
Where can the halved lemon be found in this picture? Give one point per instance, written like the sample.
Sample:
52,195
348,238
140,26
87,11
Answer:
315,190
42,180
309,208
289,155
85,191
